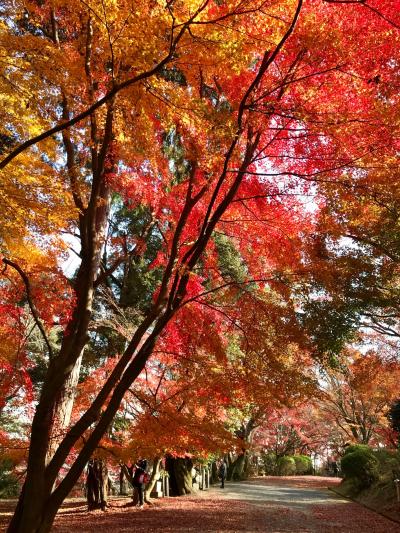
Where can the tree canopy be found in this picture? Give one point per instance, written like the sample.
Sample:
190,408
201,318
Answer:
223,173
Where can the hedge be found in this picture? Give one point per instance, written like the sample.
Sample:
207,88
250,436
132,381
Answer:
357,447
360,465
303,464
286,466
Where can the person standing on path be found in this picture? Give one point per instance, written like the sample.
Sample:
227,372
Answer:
140,478
222,473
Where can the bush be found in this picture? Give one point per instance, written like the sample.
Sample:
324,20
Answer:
386,454
361,465
9,486
356,447
286,466
389,463
303,464
269,462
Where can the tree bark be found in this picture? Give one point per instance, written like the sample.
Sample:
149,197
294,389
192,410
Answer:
236,469
97,484
63,408
180,472
214,473
155,472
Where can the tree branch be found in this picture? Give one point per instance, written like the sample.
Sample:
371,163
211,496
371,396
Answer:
31,304
108,96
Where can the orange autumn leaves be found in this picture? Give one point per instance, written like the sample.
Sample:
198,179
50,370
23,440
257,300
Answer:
316,114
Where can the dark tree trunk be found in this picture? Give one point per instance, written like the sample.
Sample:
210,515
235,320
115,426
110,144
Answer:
121,481
127,472
246,466
214,473
236,470
125,477
180,475
63,408
183,475
97,484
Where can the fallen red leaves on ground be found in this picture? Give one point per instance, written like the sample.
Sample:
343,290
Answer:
309,482
212,513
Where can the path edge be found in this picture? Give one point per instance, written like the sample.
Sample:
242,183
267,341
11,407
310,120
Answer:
364,505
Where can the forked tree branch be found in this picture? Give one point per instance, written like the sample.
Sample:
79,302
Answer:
31,303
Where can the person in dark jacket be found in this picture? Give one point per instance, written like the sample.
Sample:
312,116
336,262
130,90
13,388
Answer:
139,480
222,471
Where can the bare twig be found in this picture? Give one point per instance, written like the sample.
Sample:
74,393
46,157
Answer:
31,303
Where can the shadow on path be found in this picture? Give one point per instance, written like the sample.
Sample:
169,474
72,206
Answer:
254,506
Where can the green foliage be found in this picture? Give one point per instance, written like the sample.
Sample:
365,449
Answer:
9,486
136,282
357,447
230,262
303,464
362,466
330,325
37,353
173,75
286,466
174,151
131,286
269,463
389,463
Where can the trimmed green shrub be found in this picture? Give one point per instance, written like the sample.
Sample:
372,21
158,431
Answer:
303,464
286,466
356,447
361,465
386,454
389,463
269,462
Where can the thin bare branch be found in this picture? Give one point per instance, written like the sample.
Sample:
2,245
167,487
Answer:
31,303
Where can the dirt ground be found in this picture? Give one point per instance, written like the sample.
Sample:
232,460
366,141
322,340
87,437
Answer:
271,505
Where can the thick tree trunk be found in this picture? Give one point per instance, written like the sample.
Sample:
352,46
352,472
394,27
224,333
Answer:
246,466
180,475
153,478
183,476
236,470
63,408
214,473
125,477
97,484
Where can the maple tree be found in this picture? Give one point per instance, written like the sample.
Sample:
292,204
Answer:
214,117
188,399
354,251
288,431
349,405
366,293
358,394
